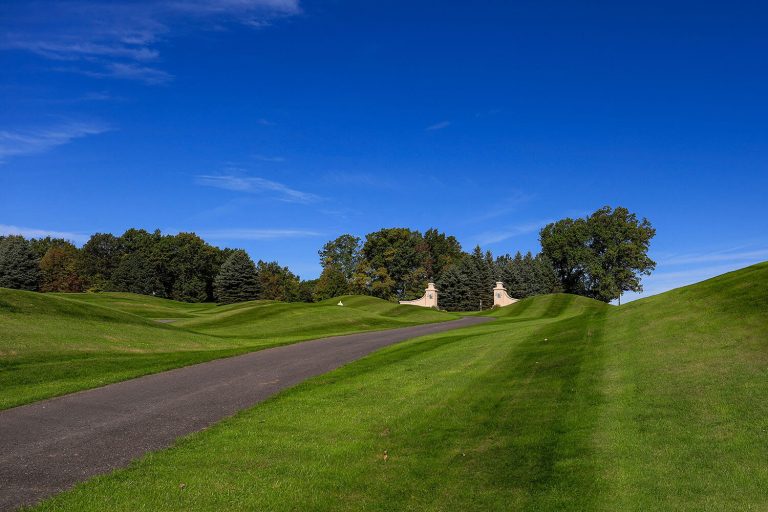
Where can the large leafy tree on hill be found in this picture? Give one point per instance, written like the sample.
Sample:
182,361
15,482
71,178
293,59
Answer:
59,269
18,264
138,269
237,281
187,266
441,252
276,282
331,283
40,246
393,262
600,256
99,258
340,259
342,253
137,273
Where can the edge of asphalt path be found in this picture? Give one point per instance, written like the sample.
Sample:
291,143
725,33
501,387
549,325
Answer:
51,445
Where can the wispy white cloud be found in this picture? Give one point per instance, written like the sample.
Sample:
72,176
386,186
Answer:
127,71
660,282
6,230
675,271
492,237
38,140
117,39
67,51
257,234
267,158
251,184
359,179
244,9
735,254
438,126
510,203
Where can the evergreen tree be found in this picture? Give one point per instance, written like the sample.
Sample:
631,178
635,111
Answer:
485,279
465,284
455,287
525,276
18,264
545,276
237,281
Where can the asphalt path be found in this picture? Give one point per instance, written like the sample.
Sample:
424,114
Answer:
49,446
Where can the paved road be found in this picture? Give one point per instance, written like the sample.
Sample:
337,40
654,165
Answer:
49,446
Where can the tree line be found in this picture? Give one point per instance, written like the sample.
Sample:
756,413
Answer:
397,263
601,256
181,267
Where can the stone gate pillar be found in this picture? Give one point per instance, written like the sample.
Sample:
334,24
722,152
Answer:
500,296
429,300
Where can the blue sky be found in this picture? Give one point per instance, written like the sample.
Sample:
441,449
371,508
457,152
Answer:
275,125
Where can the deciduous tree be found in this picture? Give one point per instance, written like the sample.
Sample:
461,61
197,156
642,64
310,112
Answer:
276,282
59,269
342,253
600,256
331,283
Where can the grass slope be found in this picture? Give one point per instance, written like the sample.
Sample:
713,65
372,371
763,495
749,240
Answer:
562,403
52,344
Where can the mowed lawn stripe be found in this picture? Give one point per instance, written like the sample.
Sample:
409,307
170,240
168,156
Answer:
322,445
49,446
54,344
656,405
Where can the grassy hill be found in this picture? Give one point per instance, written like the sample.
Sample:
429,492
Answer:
562,403
51,344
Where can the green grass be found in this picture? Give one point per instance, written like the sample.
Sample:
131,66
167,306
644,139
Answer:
562,403
52,344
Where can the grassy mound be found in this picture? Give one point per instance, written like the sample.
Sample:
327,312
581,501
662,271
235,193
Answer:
556,305
385,308
51,344
560,404
142,305
279,320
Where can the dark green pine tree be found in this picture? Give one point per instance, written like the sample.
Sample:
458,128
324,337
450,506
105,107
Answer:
464,284
453,288
237,281
18,264
525,276
482,281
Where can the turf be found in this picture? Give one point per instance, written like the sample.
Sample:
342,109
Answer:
562,403
52,344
